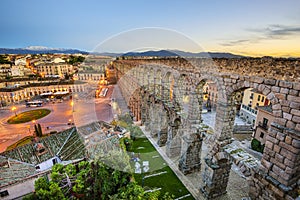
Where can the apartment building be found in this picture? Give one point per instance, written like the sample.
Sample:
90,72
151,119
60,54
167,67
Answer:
263,121
252,99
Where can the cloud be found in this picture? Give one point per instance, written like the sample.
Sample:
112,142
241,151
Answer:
234,42
273,31
277,31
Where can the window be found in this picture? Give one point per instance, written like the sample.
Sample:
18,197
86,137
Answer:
251,96
258,98
265,122
262,99
261,135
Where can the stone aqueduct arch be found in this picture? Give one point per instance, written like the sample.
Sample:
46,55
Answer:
160,86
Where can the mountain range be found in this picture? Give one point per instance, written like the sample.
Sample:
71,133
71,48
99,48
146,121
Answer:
159,53
40,50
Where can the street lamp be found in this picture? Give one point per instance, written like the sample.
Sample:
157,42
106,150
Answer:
14,109
72,104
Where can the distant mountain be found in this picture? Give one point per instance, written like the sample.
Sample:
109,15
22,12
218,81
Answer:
160,53
40,50
174,53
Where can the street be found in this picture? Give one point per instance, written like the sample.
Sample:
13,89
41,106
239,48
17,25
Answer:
83,111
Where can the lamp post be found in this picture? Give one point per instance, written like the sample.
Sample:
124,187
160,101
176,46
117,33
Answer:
72,104
14,109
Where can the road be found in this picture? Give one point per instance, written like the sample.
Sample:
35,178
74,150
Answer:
85,109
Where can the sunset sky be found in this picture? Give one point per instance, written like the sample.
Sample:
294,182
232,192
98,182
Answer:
256,28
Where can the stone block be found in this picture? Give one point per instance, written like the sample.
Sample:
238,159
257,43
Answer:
266,91
284,102
276,106
277,113
279,157
286,109
256,79
287,116
275,89
280,136
280,121
295,105
270,82
297,128
293,98
284,90
296,119
288,140
269,145
295,112
271,96
280,96
290,125
296,143
276,148
285,84
294,92
296,86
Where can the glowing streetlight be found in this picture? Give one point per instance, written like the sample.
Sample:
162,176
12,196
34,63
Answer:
14,110
72,104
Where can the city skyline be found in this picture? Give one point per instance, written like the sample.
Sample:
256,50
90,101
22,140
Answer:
255,28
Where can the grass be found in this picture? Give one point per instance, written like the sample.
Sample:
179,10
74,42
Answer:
168,181
28,116
23,141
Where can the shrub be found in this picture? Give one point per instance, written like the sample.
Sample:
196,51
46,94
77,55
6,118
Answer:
257,146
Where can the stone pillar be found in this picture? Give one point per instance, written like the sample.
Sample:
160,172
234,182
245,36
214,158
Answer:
279,174
215,176
173,145
217,162
194,114
190,160
162,137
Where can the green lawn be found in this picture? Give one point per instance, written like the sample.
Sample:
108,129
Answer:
168,181
28,116
23,141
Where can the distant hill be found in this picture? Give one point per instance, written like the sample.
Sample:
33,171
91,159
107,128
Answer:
160,53
40,50
174,53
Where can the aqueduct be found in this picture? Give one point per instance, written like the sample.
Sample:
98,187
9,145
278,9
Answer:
166,95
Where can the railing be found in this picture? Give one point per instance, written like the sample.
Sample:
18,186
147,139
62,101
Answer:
263,126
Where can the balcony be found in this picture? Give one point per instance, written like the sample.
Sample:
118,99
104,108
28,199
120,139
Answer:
263,126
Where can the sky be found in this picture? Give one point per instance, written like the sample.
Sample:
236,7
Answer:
255,28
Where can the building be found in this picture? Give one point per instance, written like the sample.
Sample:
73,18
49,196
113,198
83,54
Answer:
54,69
5,70
210,92
250,103
263,120
111,74
27,162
